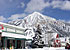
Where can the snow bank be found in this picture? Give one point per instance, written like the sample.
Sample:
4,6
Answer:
45,48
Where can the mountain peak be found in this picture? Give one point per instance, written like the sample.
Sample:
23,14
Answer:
39,15
36,12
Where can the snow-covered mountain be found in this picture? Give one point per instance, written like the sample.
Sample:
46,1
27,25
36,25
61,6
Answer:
36,18
48,26
15,22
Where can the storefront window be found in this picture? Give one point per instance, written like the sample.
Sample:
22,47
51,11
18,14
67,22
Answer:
18,44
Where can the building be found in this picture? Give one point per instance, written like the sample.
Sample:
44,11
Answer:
12,36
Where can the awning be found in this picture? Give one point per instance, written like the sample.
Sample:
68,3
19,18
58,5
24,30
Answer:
14,35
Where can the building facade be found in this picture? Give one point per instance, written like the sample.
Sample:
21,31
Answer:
12,36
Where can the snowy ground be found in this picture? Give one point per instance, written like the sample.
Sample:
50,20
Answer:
45,48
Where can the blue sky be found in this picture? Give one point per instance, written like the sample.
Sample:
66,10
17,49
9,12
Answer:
17,9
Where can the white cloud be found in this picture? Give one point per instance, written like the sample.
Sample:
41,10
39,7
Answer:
56,4
68,21
2,18
39,5
22,4
36,5
16,16
64,5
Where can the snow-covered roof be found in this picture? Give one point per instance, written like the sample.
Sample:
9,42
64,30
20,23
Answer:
13,26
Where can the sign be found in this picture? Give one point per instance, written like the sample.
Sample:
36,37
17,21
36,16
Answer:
19,31
11,29
1,27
